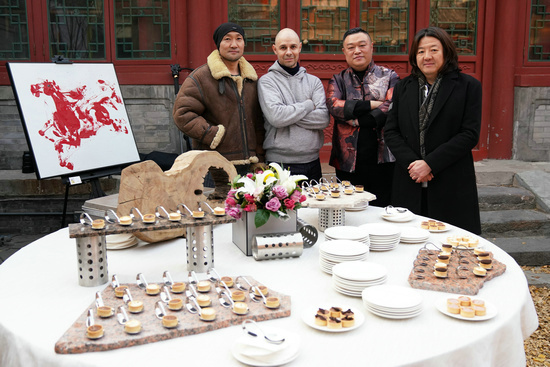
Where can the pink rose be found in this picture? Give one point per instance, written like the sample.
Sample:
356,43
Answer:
250,208
302,198
250,175
249,198
289,204
234,212
273,205
296,195
231,192
280,192
231,201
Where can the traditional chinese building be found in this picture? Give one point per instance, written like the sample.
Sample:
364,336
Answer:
503,43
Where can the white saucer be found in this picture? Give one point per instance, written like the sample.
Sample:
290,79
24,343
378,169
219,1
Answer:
308,316
286,355
491,310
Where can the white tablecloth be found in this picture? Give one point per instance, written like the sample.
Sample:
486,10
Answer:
40,299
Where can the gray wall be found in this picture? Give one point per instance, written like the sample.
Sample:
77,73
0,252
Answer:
532,124
149,110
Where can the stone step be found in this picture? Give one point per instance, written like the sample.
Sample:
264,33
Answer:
512,223
505,198
532,251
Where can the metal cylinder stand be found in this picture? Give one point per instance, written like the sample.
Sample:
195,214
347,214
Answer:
331,218
92,261
309,232
200,248
277,246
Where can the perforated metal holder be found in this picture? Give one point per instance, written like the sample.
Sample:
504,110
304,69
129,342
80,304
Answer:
200,248
331,218
277,246
309,233
92,261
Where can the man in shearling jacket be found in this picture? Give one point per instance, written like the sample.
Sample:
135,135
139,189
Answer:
295,111
217,105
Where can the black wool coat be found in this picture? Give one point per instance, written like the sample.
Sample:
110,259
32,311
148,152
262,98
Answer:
452,133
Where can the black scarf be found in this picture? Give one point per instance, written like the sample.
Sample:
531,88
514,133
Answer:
427,97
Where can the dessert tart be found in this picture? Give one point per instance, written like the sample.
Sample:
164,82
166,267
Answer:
465,301
484,256
486,264
440,226
198,214
208,314
132,326
149,218
228,281
346,183
425,225
119,291
480,310
348,191
175,304
440,272
335,312
203,286
125,220
334,323
169,321
479,250
335,193
315,190
152,289
323,312
174,217
453,308
320,197
219,211
320,320
262,289
447,248
453,301
478,302
135,306
440,265
443,258
348,321
178,287
94,331
98,224
272,302
240,308
479,271
237,296
105,311
467,311
203,300
323,188
359,188
349,312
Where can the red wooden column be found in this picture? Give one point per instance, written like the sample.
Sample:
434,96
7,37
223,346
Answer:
507,44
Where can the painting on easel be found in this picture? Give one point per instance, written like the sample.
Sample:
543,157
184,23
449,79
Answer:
74,117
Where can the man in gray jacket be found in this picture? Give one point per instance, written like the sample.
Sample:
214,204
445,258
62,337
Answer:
294,106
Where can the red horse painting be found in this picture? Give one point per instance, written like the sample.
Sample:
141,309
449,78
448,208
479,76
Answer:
78,114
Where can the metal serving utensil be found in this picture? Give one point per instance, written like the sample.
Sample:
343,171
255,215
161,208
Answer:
141,282
90,318
165,295
208,205
158,213
240,286
225,299
226,288
98,300
191,291
159,310
127,297
255,296
251,328
109,215
122,316
192,305
114,281
192,277
167,278
86,219
213,275
133,216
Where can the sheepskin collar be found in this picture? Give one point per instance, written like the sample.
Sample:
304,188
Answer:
219,70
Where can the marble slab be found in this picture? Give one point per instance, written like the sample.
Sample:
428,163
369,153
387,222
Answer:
343,202
75,341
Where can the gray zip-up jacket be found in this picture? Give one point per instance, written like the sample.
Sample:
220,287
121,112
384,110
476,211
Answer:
295,114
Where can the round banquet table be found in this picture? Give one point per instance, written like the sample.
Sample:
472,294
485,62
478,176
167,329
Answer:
41,299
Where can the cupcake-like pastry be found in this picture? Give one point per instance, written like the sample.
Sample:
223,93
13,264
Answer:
480,310
98,224
440,272
219,210
169,321
315,190
479,250
349,312
176,304
237,296
486,264
152,289
272,302
94,331
135,306
149,218
478,302
132,326
323,312
228,281
359,188
119,291
198,214
479,271
262,288
424,224
452,308
208,314
320,196
440,265
203,286
125,220
348,321
447,248
440,226
443,258
484,256
335,312
320,320
105,311
174,216
178,287
465,301
203,300
348,191
334,323
467,312
346,183
240,308
453,301
335,193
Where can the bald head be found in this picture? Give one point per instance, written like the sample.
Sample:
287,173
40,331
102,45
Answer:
287,47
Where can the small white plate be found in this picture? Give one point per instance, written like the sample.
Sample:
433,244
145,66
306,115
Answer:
447,228
308,316
491,310
285,356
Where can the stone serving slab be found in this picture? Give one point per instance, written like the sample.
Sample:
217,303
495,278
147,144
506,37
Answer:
78,230
343,202
453,283
75,341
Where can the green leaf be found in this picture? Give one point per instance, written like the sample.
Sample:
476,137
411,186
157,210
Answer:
261,217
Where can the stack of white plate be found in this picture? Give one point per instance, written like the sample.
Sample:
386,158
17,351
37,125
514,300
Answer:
338,251
392,301
414,235
350,278
397,214
347,233
121,241
383,237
